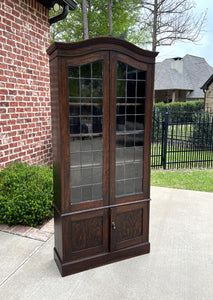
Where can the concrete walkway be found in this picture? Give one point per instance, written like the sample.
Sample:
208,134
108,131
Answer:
180,265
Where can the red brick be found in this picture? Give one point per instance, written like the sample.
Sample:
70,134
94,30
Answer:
4,147
13,157
24,75
3,91
5,116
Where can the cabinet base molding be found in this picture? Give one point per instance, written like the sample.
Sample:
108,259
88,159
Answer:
72,267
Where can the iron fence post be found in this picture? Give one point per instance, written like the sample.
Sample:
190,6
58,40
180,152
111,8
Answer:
165,138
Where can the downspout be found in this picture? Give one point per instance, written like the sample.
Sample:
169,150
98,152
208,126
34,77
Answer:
60,16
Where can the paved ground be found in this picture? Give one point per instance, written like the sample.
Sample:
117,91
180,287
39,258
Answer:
40,233
180,265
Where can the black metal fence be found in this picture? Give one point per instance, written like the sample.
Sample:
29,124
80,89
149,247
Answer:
182,140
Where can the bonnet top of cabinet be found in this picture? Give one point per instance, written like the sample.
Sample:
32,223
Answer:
98,44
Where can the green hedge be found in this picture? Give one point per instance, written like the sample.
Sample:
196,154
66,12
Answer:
180,112
190,106
26,194
203,130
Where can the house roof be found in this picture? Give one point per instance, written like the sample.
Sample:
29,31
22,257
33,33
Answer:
207,83
187,73
49,3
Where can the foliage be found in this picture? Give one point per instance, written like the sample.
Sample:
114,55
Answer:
197,180
157,125
179,112
69,29
26,194
203,129
125,16
192,106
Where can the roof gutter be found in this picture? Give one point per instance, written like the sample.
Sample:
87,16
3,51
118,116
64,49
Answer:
60,16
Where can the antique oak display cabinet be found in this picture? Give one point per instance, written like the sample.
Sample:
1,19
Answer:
101,94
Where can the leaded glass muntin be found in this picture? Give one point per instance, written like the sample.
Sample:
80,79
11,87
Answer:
130,126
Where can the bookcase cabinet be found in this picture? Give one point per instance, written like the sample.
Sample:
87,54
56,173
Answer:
101,97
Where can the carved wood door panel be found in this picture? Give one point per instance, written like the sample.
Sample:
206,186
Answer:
129,225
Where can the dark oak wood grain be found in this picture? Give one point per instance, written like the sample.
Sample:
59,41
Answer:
99,231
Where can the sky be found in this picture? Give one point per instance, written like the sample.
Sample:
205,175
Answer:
203,48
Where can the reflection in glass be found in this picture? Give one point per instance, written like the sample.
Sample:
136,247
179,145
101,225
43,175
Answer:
97,191
97,173
73,72
121,70
97,88
97,70
85,71
73,87
131,92
86,127
121,85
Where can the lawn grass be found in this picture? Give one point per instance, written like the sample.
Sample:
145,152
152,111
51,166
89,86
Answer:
187,179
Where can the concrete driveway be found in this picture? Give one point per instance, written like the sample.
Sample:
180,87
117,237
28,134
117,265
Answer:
180,265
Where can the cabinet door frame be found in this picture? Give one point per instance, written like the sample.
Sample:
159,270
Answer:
73,62
125,234
114,57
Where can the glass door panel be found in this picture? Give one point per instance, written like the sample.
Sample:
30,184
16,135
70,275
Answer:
86,131
130,117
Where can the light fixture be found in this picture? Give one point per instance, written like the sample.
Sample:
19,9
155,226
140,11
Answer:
56,7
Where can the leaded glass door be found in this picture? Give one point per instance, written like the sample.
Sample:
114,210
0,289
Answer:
128,120
89,131
86,131
106,132
130,105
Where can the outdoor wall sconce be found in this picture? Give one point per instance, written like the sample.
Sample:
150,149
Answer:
56,5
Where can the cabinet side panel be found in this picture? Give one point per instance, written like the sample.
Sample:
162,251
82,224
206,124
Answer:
58,234
148,130
55,132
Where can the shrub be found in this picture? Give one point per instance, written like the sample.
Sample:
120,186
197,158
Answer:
203,130
26,194
180,112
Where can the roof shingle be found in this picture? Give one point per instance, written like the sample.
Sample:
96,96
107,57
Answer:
187,73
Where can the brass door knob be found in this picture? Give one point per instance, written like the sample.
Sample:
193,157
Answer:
113,226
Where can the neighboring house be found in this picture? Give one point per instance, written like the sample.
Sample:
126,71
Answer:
208,91
180,79
25,114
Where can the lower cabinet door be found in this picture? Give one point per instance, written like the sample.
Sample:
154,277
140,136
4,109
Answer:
86,234
129,225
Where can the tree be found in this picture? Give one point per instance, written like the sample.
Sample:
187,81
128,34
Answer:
85,19
69,29
110,16
170,20
104,17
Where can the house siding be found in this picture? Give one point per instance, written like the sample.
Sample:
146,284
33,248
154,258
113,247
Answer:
25,113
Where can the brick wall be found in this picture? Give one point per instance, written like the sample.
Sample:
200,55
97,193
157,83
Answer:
25,115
